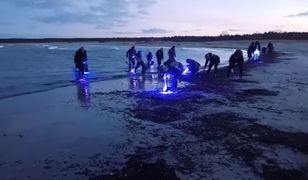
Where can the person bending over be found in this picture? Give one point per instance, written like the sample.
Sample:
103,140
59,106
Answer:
193,66
214,60
236,59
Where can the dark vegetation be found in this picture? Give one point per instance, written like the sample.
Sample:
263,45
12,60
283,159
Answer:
256,36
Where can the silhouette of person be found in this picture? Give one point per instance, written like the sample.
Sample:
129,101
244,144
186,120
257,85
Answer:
193,66
79,60
270,47
250,50
213,60
131,55
171,53
140,62
150,61
159,56
257,46
236,59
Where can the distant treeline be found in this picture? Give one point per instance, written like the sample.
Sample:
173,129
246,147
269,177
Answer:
256,36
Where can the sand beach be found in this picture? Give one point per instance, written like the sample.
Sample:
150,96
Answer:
124,128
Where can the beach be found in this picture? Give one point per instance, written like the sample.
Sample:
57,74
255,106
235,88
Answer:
121,126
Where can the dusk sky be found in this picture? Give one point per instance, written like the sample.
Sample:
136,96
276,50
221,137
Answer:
135,18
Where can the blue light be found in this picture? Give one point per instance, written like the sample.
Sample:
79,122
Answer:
167,92
166,89
82,80
165,83
256,55
132,71
186,71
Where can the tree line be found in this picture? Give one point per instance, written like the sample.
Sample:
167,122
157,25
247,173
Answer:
223,37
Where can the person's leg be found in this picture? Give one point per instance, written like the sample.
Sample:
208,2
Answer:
159,62
240,66
229,69
143,68
130,64
137,66
81,70
174,83
215,68
210,67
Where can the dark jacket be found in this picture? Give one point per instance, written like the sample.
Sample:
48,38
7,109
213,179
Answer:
80,57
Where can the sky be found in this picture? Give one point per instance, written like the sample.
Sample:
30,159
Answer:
148,18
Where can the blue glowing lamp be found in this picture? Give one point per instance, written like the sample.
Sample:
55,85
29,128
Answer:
186,71
256,55
166,90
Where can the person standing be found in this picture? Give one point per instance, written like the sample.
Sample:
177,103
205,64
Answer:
150,61
159,56
171,53
79,60
131,55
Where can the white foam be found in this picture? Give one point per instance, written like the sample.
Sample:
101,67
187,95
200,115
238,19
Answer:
1,46
53,47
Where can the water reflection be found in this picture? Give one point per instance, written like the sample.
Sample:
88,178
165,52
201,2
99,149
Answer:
137,82
83,94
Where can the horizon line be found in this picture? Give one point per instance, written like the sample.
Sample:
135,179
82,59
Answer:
155,37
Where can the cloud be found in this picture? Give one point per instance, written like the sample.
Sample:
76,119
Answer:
43,4
234,30
125,33
231,31
280,26
144,31
155,31
302,14
143,3
101,13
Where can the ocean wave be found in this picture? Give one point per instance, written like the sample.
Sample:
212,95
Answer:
63,48
57,48
53,47
1,46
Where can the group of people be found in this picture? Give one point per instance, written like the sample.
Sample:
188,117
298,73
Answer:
254,49
171,66
135,58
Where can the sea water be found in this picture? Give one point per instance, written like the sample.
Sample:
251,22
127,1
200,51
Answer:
30,68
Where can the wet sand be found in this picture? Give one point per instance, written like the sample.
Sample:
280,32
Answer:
211,128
